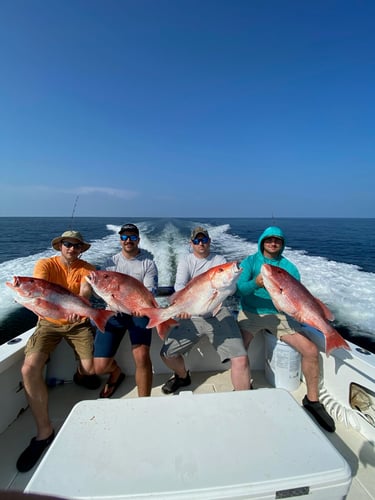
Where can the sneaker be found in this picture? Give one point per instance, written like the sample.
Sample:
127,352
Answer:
88,381
174,383
33,452
320,414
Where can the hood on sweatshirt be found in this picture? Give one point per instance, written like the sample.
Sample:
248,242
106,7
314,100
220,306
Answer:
268,233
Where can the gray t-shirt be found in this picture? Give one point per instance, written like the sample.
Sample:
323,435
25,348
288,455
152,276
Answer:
142,267
191,266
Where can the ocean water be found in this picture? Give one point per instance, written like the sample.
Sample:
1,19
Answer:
336,258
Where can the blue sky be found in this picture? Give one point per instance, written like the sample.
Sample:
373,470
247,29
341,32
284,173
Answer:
199,108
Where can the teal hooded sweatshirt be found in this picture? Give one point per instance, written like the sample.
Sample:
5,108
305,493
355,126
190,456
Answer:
252,298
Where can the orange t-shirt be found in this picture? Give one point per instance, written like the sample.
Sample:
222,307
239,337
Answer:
70,277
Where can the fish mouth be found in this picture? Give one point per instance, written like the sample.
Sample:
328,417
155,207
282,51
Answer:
90,277
14,284
237,268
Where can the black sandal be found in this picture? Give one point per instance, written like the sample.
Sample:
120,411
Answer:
111,387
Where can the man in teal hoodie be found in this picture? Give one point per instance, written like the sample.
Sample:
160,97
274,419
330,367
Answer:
257,313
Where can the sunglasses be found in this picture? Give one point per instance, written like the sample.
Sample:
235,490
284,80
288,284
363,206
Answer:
203,240
68,244
277,241
132,237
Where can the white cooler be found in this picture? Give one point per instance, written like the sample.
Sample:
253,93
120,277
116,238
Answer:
249,444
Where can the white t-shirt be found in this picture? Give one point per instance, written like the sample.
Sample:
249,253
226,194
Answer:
191,266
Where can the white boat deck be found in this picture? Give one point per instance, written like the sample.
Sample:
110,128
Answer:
358,452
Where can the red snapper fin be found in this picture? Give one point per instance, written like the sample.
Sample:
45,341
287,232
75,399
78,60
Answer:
101,317
216,310
163,328
335,341
154,316
328,314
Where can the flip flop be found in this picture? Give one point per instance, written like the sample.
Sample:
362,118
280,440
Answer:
111,387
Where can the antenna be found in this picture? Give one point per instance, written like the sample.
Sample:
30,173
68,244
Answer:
73,211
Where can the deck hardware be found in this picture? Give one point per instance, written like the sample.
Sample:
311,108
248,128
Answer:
14,341
293,492
363,351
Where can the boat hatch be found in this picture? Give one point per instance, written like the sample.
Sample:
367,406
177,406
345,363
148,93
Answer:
363,400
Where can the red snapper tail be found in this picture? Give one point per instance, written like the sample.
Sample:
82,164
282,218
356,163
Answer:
100,318
163,328
335,341
155,316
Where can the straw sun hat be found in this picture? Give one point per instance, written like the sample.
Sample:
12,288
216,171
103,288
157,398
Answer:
72,235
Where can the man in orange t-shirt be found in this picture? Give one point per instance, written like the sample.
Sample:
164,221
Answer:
69,271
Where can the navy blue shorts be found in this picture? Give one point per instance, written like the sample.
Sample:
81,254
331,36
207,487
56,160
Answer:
107,343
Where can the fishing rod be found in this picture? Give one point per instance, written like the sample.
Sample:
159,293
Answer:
73,211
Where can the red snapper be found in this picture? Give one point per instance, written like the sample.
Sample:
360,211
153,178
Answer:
126,294
291,297
49,300
203,295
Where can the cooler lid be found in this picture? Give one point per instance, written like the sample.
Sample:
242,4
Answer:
219,445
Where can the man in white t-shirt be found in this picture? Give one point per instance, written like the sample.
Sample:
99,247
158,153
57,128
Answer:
221,330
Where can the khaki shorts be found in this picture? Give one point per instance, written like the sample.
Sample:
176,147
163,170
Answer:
277,324
47,336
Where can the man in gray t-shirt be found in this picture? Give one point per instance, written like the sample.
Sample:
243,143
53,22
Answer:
139,264
221,330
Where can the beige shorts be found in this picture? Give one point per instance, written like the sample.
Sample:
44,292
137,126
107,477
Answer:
47,336
277,324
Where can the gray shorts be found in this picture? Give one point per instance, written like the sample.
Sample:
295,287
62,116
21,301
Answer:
277,324
222,331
